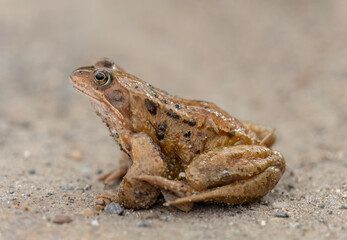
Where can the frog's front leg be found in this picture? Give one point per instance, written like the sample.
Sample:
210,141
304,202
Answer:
118,173
147,160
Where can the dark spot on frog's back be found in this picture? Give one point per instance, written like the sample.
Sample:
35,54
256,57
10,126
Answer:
162,126
151,88
231,134
191,122
187,134
151,106
160,131
172,114
178,106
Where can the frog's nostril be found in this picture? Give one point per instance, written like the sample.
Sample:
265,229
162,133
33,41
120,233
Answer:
75,75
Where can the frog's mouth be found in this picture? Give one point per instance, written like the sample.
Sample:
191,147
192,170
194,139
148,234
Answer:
80,90
102,107
78,80
108,112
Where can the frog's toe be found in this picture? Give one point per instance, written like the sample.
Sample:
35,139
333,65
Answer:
170,197
113,175
178,188
104,199
170,189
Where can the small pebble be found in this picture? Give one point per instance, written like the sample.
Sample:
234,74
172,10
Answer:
344,206
26,154
143,223
281,214
95,223
68,187
280,205
61,219
264,202
114,208
84,169
322,205
164,218
16,203
87,212
262,223
32,171
76,155
87,187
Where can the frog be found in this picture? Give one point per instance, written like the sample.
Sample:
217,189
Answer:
187,151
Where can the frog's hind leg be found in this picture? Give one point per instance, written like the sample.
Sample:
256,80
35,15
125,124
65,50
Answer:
233,174
170,189
237,192
264,134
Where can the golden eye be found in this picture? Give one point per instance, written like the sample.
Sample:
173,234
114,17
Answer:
102,78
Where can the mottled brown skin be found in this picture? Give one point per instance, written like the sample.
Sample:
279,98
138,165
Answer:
189,150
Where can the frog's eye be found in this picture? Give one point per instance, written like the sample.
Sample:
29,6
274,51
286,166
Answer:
102,78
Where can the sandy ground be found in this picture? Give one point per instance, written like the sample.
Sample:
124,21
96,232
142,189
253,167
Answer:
278,63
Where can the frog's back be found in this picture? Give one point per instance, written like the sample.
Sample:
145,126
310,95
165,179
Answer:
185,128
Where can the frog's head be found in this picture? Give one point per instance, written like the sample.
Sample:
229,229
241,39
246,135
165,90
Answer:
109,98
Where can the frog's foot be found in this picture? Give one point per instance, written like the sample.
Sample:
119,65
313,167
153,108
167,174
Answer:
170,189
266,135
269,139
114,174
104,199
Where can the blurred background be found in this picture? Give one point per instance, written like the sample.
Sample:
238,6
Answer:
282,64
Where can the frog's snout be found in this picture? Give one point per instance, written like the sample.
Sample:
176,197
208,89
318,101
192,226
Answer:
76,77
81,74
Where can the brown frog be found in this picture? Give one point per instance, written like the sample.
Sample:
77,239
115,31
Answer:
188,150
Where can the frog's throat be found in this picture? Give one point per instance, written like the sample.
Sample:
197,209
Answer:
103,108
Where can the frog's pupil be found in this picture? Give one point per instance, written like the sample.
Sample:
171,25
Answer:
100,76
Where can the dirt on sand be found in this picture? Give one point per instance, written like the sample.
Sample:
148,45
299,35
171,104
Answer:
282,64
